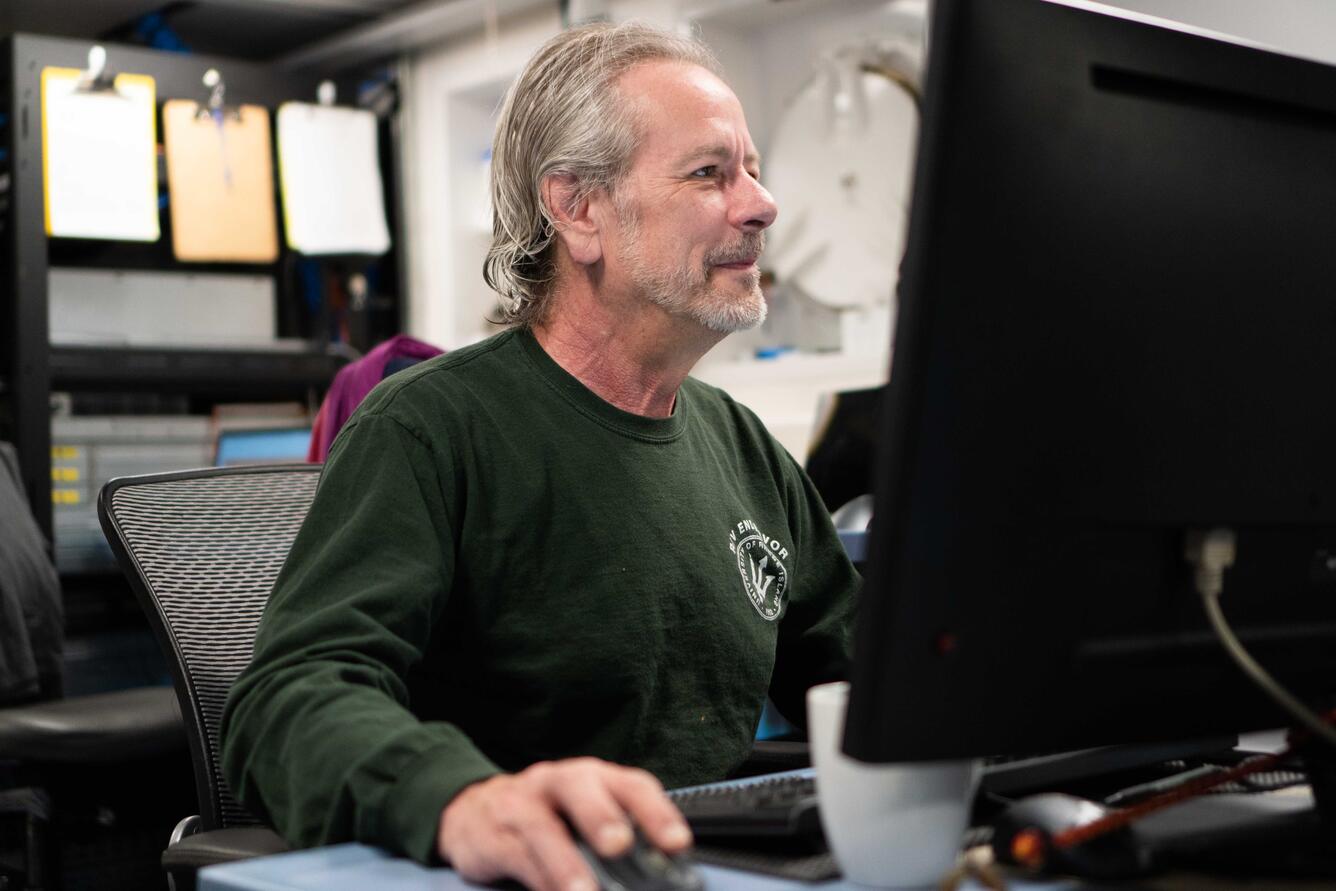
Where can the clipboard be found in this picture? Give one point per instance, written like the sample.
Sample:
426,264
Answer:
333,199
99,160
220,177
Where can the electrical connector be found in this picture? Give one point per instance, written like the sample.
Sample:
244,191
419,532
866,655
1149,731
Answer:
1210,553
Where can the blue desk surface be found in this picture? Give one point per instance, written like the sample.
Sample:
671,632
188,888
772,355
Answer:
349,867
352,866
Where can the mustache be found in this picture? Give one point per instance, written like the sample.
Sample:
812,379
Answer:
748,246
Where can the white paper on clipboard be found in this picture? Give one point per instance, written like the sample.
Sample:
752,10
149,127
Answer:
99,161
333,201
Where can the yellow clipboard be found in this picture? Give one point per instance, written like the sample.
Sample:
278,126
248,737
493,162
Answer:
220,177
99,162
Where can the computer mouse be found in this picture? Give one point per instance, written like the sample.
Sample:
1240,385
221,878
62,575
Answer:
643,868
1023,835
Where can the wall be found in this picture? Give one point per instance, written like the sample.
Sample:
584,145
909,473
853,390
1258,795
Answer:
450,95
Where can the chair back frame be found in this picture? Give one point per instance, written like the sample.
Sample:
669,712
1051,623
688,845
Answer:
201,549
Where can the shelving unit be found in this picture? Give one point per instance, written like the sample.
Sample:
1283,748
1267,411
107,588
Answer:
298,367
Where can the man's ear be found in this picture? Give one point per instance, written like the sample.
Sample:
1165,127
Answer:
576,227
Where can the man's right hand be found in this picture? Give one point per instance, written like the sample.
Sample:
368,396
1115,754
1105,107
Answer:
516,825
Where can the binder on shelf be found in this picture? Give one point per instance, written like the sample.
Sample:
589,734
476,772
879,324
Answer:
98,153
221,180
333,200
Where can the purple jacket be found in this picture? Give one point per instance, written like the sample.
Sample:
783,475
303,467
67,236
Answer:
353,382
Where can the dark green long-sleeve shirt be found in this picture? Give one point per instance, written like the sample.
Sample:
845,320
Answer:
501,568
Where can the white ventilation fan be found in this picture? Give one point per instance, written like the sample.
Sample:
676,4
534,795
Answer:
840,165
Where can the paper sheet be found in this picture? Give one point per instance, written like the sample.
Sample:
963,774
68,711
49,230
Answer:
99,162
221,180
332,194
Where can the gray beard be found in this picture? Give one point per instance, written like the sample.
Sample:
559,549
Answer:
687,292
696,300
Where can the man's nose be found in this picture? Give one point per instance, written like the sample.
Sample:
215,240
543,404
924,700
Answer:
755,208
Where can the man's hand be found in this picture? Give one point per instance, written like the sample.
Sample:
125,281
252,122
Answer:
514,825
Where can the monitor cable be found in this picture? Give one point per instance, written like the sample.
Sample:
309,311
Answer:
1211,553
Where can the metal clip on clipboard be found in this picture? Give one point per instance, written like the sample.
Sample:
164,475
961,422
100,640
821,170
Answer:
216,108
96,78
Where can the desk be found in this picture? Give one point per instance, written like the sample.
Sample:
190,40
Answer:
354,867
358,868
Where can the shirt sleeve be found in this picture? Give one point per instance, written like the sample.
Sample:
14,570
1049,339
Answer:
816,632
317,736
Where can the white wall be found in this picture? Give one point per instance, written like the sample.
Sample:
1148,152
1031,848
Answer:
450,93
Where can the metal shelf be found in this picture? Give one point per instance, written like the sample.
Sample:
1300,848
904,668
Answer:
30,366
255,373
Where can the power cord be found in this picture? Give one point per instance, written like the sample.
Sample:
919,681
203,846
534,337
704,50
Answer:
1210,554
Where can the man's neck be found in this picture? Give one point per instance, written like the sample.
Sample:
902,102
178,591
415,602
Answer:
634,357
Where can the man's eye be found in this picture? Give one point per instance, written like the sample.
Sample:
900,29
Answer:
705,172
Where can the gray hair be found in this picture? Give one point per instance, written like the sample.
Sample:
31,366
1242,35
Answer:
563,116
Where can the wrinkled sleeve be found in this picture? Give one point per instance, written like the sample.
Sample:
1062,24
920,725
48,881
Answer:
816,632
317,735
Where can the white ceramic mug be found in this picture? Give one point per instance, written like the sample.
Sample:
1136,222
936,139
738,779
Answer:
889,825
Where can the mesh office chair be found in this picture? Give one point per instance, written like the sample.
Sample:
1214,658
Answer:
202,549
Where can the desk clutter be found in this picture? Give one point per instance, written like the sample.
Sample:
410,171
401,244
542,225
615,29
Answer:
100,167
1233,809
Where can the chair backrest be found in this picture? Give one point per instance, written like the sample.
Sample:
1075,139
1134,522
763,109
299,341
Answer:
202,548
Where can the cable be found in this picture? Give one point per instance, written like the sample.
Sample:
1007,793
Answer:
1211,554
1156,787
1078,835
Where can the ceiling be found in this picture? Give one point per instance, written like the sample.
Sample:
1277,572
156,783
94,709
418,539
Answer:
261,30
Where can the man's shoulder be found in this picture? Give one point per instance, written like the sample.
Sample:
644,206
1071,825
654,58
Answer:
724,416
433,382
717,404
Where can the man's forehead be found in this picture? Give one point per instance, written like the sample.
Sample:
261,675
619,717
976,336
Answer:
719,150
673,79
687,110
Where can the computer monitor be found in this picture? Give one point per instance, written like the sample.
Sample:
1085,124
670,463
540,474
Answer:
262,445
1117,325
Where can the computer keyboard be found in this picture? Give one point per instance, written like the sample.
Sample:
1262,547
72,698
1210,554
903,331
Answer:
779,807
784,805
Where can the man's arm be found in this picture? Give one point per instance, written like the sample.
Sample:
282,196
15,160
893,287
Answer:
816,633
318,736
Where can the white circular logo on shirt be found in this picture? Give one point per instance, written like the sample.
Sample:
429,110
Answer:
763,574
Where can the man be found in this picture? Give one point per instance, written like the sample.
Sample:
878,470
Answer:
545,573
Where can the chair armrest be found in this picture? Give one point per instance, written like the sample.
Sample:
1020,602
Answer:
203,849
